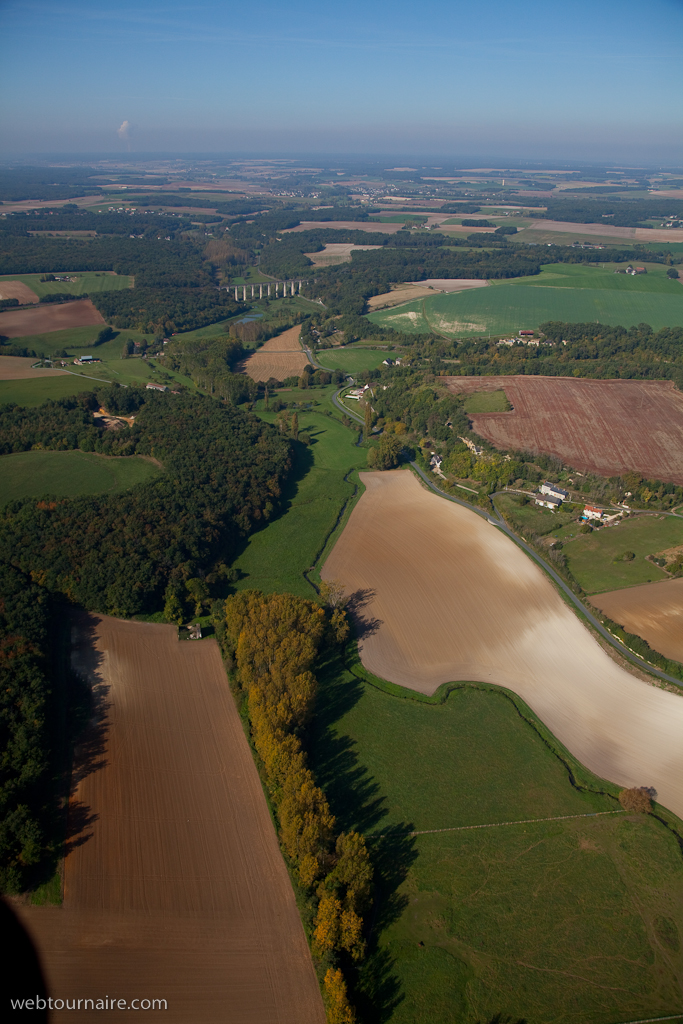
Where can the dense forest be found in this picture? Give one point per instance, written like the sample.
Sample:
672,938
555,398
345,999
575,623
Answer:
621,212
163,541
26,704
72,218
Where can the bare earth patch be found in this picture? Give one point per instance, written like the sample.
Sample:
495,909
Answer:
603,426
653,611
18,368
49,317
418,289
441,595
17,290
175,887
280,357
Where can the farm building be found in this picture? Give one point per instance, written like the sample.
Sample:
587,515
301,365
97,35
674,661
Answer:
554,490
156,387
591,512
474,448
548,501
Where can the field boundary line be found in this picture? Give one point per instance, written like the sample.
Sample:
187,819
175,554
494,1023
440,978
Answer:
651,1020
499,824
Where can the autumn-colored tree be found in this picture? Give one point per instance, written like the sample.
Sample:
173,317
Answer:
339,625
306,826
327,931
199,592
351,934
173,609
332,593
295,426
636,800
339,1010
367,426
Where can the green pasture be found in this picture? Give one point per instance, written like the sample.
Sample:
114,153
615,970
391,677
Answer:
560,292
31,393
596,559
532,518
65,474
576,921
87,282
487,401
352,360
77,341
275,558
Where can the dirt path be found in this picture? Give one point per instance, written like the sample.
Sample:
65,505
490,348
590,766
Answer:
174,885
443,596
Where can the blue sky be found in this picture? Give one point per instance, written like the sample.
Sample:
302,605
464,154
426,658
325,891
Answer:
578,80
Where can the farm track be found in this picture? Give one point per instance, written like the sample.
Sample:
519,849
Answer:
175,887
440,598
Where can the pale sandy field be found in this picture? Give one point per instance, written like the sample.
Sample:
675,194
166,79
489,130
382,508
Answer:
175,887
653,611
336,252
18,368
449,597
418,289
280,357
17,290
607,230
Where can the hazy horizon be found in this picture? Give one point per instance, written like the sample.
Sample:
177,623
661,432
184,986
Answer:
534,83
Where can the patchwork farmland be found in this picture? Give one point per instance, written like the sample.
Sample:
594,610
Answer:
559,292
603,426
174,883
447,597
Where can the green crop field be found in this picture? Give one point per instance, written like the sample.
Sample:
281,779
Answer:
559,292
275,558
87,282
31,393
64,474
576,921
596,559
353,360
487,401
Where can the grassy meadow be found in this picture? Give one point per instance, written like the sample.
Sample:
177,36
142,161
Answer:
560,292
487,401
65,474
352,359
575,921
596,559
320,490
88,281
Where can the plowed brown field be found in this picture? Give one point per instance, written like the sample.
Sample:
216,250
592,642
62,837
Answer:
17,290
653,611
174,884
417,289
18,368
50,317
441,595
605,426
280,357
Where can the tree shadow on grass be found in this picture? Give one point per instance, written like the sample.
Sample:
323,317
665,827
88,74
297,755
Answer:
357,802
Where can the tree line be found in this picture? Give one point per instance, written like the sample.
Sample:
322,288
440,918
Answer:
274,642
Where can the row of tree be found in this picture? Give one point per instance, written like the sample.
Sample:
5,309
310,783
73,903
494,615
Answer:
275,641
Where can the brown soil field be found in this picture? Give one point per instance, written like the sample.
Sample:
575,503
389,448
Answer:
17,290
336,252
50,317
603,426
280,357
441,595
653,611
347,225
609,231
174,885
18,368
417,289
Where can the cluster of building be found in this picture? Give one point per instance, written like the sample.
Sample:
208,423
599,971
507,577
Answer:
551,496
632,270
86,360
